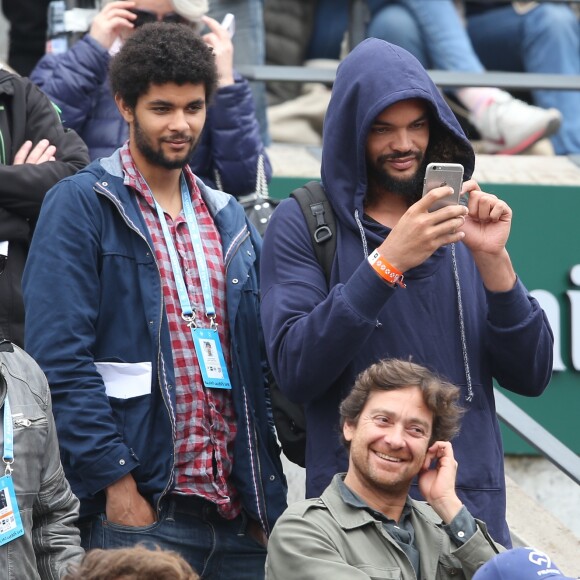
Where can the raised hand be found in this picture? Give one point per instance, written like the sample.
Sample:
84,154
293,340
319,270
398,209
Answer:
219,39
487,225
112,21
487,229
419,232
437,483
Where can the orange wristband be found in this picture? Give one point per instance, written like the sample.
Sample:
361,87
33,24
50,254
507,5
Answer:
387,272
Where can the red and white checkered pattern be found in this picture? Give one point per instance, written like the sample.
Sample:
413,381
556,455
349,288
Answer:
205,421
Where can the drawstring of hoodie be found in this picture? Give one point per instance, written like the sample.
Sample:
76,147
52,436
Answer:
469,396
362,234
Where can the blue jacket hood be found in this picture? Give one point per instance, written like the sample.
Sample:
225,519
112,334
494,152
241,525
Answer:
357,98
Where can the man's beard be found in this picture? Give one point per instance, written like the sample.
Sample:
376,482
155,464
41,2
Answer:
156,156
410,188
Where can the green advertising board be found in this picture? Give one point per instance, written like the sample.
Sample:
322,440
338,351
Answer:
545,248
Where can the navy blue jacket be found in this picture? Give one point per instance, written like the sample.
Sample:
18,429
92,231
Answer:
318,339
230,143
93,293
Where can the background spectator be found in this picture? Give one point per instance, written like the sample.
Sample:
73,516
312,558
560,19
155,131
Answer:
27,35
36,151
432,31
77,82
537,38
249,44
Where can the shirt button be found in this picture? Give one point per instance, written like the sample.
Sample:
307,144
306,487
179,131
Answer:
121,462
460,534
235,281
272,477
105,183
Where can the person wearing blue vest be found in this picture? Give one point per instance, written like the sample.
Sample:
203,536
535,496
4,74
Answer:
142,309
460,310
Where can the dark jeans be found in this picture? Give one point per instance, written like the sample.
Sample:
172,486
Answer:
216,548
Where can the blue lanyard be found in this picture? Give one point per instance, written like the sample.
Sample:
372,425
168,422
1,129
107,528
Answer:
187,311
8,455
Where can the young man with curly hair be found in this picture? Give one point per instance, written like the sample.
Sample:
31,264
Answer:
135,264
396,425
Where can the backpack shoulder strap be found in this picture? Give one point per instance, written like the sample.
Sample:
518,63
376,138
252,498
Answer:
321,223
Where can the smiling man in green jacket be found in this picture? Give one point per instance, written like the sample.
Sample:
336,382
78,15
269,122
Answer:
396,424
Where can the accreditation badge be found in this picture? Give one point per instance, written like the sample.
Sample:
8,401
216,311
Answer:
210,355
10,520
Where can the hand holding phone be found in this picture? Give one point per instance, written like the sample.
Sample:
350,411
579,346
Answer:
440,175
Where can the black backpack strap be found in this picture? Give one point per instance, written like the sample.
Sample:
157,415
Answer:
321,223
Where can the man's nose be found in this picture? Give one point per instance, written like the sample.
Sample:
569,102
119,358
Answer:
394,437
402,141
179,121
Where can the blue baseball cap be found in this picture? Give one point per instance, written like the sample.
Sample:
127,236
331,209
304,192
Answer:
520,564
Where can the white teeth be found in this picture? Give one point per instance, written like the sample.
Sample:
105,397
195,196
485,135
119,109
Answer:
388,457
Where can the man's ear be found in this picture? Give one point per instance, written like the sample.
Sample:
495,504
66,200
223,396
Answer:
348,431
125,110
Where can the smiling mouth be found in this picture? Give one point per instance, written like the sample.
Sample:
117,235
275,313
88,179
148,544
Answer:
388,457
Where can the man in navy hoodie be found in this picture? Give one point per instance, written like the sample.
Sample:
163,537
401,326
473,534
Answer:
461,309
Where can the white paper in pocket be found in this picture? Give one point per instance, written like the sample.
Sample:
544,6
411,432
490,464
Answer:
126,380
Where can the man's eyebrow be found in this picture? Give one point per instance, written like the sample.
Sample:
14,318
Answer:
163,103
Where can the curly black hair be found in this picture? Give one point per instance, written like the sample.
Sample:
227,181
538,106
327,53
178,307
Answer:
161,53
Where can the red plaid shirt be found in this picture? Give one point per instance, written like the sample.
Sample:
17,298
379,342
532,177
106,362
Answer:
205,421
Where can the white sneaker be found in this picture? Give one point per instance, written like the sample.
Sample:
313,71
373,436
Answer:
509,126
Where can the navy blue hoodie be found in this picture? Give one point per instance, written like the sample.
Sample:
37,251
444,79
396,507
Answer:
318,339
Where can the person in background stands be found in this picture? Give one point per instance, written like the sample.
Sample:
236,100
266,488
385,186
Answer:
27,34
36,151
76,80
433,32
537,38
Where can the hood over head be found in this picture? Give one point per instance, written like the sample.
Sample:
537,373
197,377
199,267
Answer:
372,77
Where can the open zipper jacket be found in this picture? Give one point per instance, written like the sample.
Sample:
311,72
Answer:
93,245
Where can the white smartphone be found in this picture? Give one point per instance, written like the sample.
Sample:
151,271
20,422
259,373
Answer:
229,23
440,174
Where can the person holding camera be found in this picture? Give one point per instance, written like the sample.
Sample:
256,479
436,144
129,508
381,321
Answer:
437,286
76,80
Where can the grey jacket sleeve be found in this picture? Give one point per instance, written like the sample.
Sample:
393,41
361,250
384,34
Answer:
55,537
